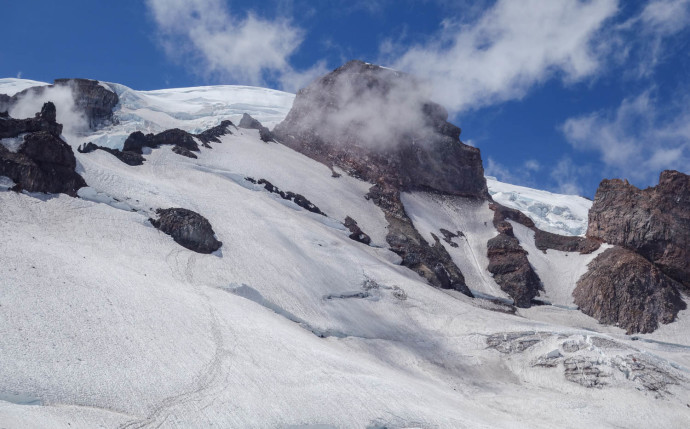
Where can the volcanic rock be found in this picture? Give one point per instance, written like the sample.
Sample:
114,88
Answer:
511,269
214,134
622,288
251,123
356,232
379,124
128,157
298,199
189,229
43,121
654,222
43,163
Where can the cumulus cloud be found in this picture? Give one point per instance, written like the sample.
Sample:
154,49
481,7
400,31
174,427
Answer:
206,36
512,47
637,139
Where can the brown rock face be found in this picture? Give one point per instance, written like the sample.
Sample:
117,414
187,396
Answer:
654,222
380,126
624,289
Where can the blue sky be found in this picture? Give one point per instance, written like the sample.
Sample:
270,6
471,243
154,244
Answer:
558,94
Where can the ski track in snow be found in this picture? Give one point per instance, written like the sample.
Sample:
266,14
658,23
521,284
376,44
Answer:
107,322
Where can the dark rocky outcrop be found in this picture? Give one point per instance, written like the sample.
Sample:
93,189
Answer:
250,123
175,137
449,236
183,143
90,97
511,269
544,240
654,222
298,199
623,288
43,163
96,101
43,121
189,229
128,157
212,135
183,151
432,262
356,232
380,126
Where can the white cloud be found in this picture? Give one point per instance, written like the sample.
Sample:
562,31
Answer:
567,176
518,175
217,44
19,74
636,140
509,49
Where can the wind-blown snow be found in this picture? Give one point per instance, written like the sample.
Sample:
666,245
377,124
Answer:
557,213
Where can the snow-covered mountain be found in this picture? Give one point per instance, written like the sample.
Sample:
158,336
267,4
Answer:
105,321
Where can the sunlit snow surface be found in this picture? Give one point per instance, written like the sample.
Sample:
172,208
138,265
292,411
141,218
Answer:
558,213
11,86
106,322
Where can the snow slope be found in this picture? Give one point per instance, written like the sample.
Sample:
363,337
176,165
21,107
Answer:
106,322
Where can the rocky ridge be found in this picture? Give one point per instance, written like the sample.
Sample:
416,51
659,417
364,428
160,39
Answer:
43,162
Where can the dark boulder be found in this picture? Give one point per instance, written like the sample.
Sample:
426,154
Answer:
356,232
189,229
250,123
43,163
654,222
622,288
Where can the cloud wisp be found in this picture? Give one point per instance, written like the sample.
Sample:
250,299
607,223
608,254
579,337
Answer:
511,48
215,43
636,140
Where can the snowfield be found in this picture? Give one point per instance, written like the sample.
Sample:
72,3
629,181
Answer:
107,322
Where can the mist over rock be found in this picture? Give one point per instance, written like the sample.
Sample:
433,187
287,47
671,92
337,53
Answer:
89,98
45,120
380,125
623,288
654,222
42,162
